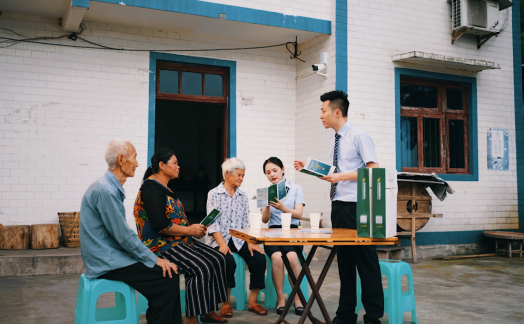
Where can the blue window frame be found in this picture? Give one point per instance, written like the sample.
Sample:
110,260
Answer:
404,148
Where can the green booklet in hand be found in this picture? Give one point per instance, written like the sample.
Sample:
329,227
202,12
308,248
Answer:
316,168
265,195
211,218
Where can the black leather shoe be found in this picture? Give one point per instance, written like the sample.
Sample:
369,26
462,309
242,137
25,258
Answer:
337,320
299,310
280,310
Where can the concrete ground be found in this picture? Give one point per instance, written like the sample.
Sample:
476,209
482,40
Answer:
485,290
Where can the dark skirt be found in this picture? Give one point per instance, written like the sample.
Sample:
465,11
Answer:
270,249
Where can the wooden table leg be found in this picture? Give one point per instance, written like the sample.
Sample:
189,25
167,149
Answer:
413,242
315,287
509,248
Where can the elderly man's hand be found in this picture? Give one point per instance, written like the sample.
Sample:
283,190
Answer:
197,230
166,267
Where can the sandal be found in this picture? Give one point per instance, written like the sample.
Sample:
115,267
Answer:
212,318
258,309
227,311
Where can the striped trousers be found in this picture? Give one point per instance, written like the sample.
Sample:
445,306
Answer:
205,272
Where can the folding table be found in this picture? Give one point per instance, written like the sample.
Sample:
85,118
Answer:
281,237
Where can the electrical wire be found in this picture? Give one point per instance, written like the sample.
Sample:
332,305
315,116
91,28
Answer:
9,41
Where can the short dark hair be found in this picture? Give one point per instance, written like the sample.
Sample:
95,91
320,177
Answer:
337,100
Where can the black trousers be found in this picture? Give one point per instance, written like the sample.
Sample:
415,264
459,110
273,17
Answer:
162,293
256,265
361,258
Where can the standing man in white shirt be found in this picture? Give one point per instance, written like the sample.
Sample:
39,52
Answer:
351,148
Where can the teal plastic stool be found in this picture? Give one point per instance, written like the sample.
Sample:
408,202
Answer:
396,301
270,294
124,311
240,291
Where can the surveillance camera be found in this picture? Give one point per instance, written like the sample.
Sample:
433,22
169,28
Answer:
318,67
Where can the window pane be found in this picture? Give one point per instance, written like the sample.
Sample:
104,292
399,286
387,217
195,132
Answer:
214,85
456,144
168,81
431,142
454,99
412,95
192,83
409,141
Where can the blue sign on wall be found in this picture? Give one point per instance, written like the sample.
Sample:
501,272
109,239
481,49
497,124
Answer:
498,150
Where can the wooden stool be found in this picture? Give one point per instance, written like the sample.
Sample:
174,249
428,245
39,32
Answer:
15,237
45,236
508,237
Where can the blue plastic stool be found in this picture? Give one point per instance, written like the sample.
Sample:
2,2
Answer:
124,311
270,294
240,291
396,301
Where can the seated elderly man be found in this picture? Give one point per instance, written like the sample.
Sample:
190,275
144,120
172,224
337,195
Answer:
111,250
234,206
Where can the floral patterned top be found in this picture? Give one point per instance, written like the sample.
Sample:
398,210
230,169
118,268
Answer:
234,214
156,210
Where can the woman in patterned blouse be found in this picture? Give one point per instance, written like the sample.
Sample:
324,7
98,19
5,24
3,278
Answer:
163,227
233,204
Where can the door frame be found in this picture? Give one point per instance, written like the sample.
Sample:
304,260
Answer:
154,57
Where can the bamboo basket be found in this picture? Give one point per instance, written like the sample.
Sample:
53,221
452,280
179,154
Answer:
70,224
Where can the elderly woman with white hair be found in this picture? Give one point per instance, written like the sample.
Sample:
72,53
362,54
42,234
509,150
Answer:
234,206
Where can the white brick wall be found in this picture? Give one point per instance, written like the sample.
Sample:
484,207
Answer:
377,30
60,107
318,9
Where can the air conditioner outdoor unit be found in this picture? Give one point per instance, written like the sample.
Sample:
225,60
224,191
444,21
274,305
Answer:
477,17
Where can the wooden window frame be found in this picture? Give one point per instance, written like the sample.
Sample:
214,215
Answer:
202,98
195,69
440,112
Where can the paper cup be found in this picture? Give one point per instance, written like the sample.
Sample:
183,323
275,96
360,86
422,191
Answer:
285,218
255,221
314,220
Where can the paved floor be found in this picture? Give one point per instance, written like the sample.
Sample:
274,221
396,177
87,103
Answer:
485,290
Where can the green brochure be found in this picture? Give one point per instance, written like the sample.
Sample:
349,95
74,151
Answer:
265,195
363,203
211,218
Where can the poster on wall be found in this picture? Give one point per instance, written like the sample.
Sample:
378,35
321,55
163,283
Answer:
498,150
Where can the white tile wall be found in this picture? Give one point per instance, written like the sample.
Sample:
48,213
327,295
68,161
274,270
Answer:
60,107
377,30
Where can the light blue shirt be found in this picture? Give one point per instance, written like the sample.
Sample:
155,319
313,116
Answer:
234,214
106,241
355,150
295,195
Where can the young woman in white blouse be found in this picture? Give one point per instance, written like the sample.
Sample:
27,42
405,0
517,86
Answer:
293,203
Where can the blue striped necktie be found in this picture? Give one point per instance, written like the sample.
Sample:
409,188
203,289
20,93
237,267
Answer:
335,153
